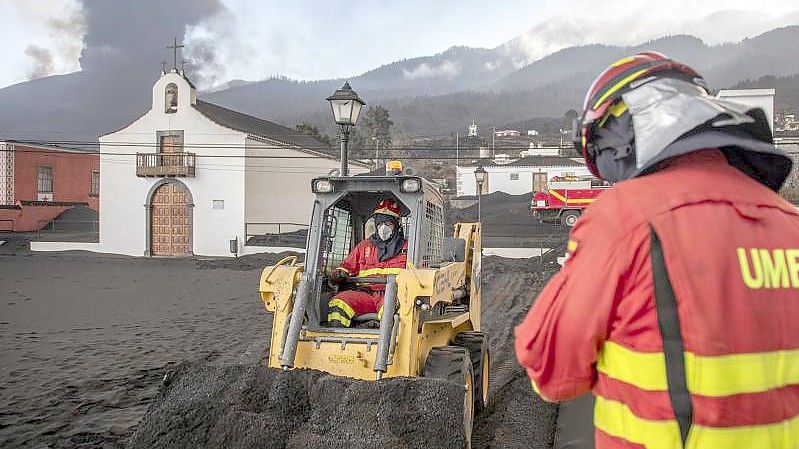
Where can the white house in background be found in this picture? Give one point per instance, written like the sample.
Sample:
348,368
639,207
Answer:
536,150
188,177
472,129
519,176
506,133
762,98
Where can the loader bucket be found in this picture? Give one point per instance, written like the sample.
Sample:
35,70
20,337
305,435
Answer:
202,405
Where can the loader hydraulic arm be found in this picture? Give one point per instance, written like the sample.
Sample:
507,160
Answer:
295,324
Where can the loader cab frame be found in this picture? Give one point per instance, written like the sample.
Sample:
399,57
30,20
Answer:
341,217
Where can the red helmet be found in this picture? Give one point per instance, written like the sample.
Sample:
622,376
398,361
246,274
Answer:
621,77
388,207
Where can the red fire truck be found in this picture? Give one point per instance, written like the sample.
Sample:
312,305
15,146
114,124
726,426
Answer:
565,198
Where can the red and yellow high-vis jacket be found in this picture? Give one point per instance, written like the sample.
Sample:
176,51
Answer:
363,262
731,251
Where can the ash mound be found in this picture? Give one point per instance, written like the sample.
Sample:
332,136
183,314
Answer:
202,405
246,263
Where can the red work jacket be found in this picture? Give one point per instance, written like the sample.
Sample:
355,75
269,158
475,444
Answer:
363,261
731,251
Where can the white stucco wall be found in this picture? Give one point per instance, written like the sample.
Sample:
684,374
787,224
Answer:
499,178
123,223
761,98
279,190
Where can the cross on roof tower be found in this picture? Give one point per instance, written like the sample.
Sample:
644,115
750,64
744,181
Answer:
175,47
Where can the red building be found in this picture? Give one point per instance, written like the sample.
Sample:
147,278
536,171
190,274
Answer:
38,183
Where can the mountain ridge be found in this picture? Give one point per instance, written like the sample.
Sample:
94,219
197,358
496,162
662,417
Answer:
434,94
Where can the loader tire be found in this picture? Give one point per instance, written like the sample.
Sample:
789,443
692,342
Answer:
452,363
477,344
569,218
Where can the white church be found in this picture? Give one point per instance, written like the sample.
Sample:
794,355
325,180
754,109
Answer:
193,178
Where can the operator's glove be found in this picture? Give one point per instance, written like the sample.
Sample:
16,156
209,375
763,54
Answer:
338,276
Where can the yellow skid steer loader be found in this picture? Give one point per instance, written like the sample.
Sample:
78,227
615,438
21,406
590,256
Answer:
434,330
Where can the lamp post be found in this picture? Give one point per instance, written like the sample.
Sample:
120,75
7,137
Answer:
377,152
480,176
346,106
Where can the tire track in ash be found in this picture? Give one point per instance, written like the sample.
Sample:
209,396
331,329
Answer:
516,416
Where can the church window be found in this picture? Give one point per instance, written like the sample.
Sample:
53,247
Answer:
44,184
171,98
94,189
44,180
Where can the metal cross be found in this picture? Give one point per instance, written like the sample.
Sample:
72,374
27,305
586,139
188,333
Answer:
183,64
175,47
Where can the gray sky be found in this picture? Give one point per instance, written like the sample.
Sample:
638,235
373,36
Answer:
318,39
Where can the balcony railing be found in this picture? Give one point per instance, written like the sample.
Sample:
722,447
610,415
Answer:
165,164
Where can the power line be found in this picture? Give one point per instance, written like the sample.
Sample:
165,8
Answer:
64,143
392,152
253,156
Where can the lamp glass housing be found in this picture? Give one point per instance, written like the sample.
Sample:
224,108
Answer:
346,105
480,175
411,185
322,186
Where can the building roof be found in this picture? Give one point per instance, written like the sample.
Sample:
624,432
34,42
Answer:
535,161
92,148
260,128
539,161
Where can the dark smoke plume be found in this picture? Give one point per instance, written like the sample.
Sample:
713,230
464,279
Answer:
130,37
123,46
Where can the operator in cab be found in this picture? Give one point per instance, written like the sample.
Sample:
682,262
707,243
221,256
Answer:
383,253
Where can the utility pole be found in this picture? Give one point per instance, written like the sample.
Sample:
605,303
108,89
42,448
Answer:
457,148
377,152
493,147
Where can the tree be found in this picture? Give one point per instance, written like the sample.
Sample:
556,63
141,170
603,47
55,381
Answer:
311,130
377,125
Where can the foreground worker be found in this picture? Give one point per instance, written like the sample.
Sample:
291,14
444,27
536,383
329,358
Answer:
384,252
678,305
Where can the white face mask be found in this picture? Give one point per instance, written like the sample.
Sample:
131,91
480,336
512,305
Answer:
385,231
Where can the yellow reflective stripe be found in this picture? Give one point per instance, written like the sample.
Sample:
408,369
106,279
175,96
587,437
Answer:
538,391
706,375
379,271
341,318
741,373
618,86
645,370
616,110
343,306
622,61
535,387
616,419
780,435
571,201
571,246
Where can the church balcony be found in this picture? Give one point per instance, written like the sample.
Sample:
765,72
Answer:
165,164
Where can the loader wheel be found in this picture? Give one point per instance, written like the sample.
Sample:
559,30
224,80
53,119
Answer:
477,344
569,218
452,363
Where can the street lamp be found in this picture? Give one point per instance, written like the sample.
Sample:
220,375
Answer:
480,175
346,106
